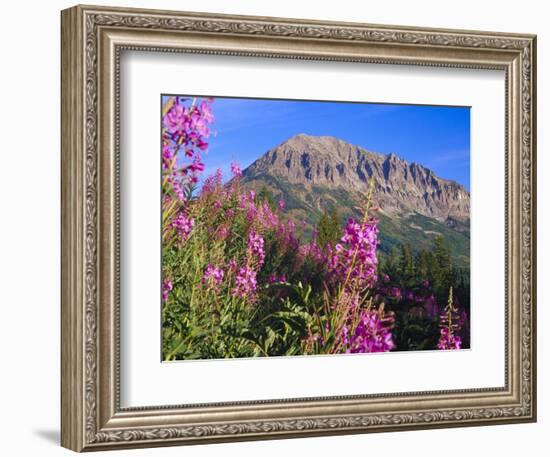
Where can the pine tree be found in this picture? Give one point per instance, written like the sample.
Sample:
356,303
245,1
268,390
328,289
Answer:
406,263
442,268
422,262
335,222
329,228
390,265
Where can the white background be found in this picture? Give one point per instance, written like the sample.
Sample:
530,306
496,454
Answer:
145,75
29,245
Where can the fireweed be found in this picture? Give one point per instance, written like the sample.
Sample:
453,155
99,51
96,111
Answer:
238,279
450,325
352,323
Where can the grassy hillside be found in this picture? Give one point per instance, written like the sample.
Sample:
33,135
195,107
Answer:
419,231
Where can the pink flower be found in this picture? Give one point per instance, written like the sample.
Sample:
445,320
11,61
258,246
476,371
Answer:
371,334
199,124
395,292
167,156
355,259
202,145
255,247
183,226
274,279
236,170
447,340
212,182
267,217
223,232
206,111
176,185
213,276
196,166
432,307
251,213
167,287
176,120
291,226
281,204
245,283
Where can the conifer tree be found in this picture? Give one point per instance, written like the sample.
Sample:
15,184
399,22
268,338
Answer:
329,228
390,264
406,262
441,267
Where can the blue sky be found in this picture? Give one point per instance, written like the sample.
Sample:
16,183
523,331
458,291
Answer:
435,136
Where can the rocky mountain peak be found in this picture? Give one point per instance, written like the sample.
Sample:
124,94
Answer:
329,163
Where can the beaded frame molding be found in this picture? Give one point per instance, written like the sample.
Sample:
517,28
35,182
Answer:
93,39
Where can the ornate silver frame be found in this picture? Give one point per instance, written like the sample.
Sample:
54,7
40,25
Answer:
92,40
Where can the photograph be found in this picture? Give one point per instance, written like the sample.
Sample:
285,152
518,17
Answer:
307,227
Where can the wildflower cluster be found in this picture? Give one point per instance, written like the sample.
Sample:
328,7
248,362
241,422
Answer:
185,132
167,287
213,276
373,333
245,283
186,128
255,248
355,261
183,226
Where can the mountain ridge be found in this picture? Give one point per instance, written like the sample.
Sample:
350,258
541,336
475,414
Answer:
329,162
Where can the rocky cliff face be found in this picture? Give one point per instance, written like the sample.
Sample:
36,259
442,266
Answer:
332,164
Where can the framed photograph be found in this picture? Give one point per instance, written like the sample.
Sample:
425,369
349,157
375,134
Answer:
275,228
